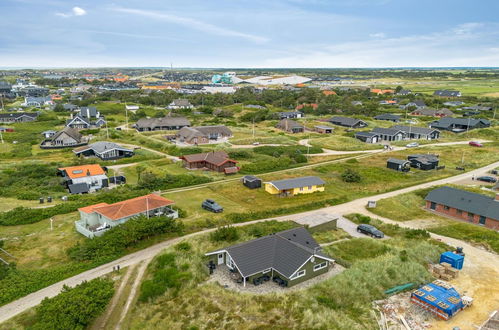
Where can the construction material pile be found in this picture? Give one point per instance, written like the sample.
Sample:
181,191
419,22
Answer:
443,271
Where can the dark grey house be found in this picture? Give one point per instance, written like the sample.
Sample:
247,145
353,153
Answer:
389,134
104,150
251,181
368,137
289,115
447,93
424,162
348,122
416,132
398,164
161,124
18,117
291,255
388,117
458,125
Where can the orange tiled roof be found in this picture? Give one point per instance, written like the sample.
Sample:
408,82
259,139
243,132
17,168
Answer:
129,207
328,92
90,208
74,172
314,106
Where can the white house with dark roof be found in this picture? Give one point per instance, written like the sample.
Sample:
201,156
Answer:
288,257
104,150
180,104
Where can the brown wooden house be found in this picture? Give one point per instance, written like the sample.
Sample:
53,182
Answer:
218,161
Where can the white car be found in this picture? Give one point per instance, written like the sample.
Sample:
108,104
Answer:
412,145
256,143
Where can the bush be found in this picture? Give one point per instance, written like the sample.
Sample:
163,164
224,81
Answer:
165,275
151,181
115,241
74,308
225,233
351,176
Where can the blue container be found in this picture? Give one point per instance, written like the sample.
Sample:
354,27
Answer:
455,260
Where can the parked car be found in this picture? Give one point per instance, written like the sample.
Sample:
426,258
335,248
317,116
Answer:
256,143
211,205
487,179
412,145
370,230
475,144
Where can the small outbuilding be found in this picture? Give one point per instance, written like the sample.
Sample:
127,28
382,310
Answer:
398,164
251,181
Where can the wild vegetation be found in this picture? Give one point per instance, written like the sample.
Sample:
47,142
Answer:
343,301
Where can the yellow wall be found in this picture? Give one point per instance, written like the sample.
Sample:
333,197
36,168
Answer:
272,190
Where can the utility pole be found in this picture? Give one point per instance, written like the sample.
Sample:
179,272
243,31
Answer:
1,100
126,117
51,224
107,131
1,136
468,127
253,129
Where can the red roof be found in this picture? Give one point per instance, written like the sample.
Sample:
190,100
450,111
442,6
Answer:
129,207
311,105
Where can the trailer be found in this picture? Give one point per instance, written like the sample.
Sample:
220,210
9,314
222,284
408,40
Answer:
441,299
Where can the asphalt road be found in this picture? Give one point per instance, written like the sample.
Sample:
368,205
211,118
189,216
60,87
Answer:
18,306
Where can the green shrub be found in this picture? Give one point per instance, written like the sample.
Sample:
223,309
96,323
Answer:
183,246
350,175
74,308
225,233
151,181
165,275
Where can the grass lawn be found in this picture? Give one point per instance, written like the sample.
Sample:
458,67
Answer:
36,246
329,236
341,302
342,143
7,204
474,234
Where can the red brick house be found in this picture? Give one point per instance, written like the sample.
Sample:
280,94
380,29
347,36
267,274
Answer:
218,161
464,205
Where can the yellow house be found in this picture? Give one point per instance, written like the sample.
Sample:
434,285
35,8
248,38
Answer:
295,186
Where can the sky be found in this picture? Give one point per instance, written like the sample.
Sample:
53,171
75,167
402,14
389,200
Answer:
249,33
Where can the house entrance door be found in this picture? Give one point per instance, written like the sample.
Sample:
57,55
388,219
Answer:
482,220
220,258
433,205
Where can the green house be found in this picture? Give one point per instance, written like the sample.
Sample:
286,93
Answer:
292,256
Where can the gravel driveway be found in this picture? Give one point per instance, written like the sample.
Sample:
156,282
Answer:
351,228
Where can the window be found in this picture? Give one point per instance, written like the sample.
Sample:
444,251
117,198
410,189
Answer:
299,274
309,187
446,208
320,266
459,212
301,188
266,271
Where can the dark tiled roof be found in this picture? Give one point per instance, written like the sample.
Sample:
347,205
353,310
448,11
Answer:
297,182
465,201
366,134
345,121
413,129
448,122
387,116
163,122
386,131
284,251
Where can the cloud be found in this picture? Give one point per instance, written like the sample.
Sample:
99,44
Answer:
377,35
76,11
469,44
191,23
